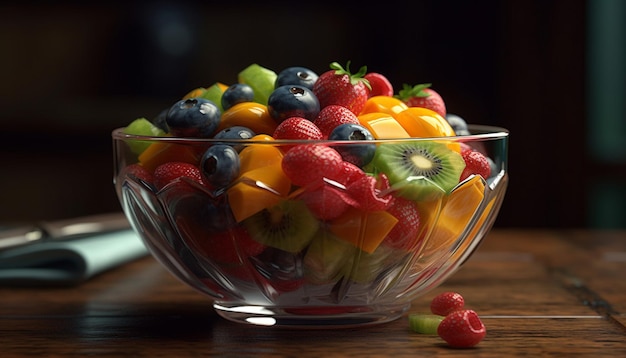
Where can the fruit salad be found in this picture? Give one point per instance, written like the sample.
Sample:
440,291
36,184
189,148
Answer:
295,181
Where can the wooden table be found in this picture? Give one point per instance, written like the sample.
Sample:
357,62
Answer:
539,293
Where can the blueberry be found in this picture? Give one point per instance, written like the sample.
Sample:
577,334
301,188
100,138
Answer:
298,76
219,165
293,101
356,154
236,133
237,93
458,124
193,117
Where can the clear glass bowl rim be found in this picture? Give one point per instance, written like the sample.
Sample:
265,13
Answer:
482,132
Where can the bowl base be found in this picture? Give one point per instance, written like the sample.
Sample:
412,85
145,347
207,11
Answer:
311,317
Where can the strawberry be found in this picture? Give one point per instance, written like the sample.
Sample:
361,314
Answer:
307,164
380,85
475,163
446,303
333,115
403,236
138,172
170,171
369,193
327,202
297,128
462,329
339,86
422,96
229,246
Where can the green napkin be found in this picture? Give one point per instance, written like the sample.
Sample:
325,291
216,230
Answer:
66,263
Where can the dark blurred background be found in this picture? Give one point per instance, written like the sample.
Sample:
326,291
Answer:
551,71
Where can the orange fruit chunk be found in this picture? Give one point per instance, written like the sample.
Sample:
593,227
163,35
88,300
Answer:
365,230
423,122
262,182
383,125
252,115
161,152
258,189
384,104
458,210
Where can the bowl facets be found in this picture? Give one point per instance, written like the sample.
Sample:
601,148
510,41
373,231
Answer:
264,257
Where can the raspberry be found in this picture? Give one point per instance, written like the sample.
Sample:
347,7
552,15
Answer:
462,329
475,163
170,171
333,115
306,164
297,128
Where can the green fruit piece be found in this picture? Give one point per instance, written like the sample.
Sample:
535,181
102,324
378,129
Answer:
214,94
363,267
261,80
420,170
325,257
424,323
288,226
141,126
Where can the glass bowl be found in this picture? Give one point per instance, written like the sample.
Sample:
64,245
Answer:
268,251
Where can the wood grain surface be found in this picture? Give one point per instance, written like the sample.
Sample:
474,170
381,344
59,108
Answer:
539,293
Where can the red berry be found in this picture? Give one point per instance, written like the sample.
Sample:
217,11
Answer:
403,236
136,171
297,128
380,85
306,164
462,329
446,303
339,86
423,96
170,171
333,115
475,163
229,246
369,193
327,202
348,174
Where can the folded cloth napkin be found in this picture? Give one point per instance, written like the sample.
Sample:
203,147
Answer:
70,262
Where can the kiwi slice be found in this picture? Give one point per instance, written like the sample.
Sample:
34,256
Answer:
141,126
420,170
325,258
261,80
288,226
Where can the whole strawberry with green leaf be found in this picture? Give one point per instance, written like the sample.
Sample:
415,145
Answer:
422,96
340,87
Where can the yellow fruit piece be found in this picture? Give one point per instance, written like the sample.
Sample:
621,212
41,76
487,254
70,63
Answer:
198,92
458,210
252,115
384,104
259,155
383,125
365,230
160,153
262,183
258,189
424,123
